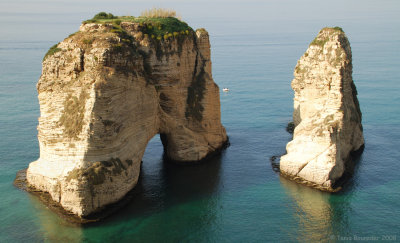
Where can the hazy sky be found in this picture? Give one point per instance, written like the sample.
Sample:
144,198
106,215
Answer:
29,17
248,8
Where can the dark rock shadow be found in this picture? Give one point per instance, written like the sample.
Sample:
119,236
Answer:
348,181
166,184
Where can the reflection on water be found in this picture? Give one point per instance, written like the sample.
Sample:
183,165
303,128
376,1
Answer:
313,211
323,216
166,195
52,227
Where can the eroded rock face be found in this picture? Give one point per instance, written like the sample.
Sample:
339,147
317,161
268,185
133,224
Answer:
104,94
326,113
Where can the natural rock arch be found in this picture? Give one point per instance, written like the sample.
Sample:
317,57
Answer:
104,93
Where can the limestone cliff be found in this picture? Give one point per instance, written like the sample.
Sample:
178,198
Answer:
326,113
105,91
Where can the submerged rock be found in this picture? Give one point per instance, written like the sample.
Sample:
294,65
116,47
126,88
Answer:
105,91
326,115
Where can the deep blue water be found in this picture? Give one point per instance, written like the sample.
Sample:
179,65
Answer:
235,196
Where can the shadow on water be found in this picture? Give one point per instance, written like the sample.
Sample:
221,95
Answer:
348,182
163,186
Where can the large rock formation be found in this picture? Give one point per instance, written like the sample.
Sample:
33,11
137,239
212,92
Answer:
105,91
326,113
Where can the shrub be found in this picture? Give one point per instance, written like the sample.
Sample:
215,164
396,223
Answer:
104,15
117,22
100,16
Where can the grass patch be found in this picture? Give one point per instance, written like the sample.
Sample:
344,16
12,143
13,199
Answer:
51,51
159,13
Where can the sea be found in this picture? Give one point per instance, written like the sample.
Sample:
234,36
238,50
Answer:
235,196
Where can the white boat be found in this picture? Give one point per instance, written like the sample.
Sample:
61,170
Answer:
225,89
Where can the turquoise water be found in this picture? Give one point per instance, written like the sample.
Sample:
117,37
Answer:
234,197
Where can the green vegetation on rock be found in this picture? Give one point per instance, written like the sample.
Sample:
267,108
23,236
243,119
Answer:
321,41
169,26
87,41
332,29
125,38
73,114
338,29
51,51
155,27
104,15
99,171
